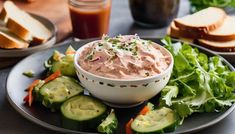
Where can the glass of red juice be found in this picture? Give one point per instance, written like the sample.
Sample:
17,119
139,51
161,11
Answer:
90,18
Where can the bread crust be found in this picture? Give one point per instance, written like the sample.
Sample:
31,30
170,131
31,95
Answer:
219,37
3,15
36,40
202,29
220,48
7,43
175,31
20,31
23,29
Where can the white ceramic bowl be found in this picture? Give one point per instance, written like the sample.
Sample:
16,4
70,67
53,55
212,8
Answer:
122,92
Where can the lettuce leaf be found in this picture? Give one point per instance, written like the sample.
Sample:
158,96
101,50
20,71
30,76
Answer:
198,83
197,5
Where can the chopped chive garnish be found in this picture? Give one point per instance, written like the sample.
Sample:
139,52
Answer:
29,73
90,57
150,42
106,38
147,73
134,53
100,44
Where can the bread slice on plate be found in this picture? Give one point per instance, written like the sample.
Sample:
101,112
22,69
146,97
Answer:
9,40
226,32
227,46
23,24
203,21
177,33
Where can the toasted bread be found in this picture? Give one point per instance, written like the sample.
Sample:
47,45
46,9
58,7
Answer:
227,46
9,40
3,15
23,24
203,21
224,33
177,33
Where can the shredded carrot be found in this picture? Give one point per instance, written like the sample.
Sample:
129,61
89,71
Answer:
128,126
53,76
144,110
26,99
71,52
29,98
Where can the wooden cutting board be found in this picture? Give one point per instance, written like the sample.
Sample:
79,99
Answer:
55,10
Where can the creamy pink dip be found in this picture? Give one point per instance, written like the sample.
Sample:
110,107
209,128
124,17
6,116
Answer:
124,57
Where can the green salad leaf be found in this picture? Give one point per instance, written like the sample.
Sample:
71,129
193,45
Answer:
197,5
62,62
198,83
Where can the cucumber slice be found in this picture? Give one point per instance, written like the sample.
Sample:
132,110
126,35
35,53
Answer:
36,90
70,50
82,113
109,125
155,122
150,106
65,65
55,92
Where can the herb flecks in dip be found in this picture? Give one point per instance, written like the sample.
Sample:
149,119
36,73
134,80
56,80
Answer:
124,57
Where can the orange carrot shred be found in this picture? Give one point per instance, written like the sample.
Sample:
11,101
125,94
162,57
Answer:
128,126
26,98
29,98
144,110
53,76
71,52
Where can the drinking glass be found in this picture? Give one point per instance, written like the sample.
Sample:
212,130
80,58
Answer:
90,18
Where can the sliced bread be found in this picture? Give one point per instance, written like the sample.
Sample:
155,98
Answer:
226,32
23,24
227,46
177,33
9,40
203,21
3,15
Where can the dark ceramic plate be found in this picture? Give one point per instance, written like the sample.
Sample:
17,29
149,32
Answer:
16,83
227,55
7,53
